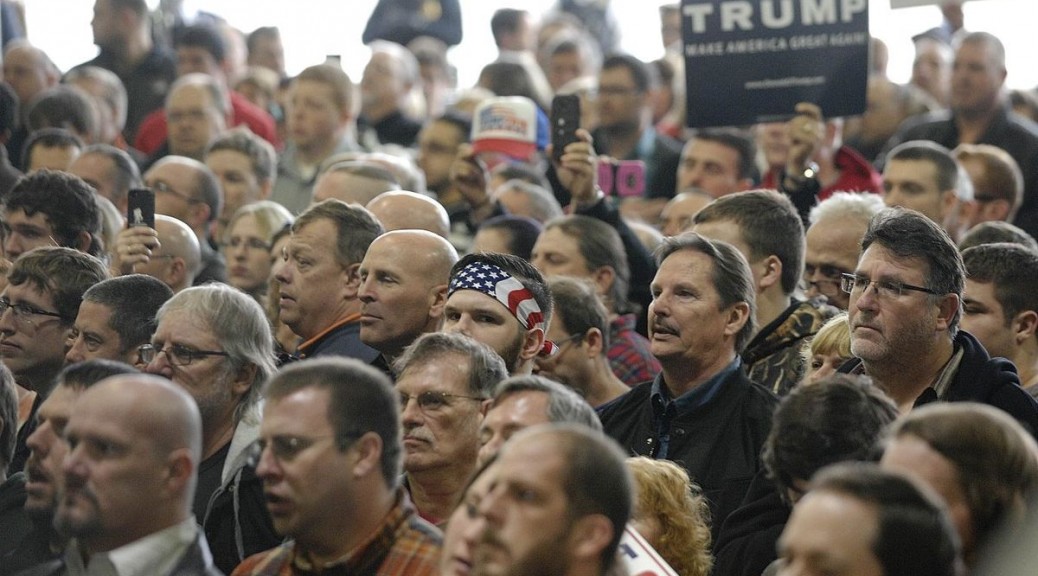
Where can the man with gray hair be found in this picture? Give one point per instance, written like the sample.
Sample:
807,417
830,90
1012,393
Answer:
520,402
108,91
701,411
833,242
445,382
214,341
905,306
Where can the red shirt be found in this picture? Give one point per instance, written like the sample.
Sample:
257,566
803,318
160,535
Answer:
856,175
153,130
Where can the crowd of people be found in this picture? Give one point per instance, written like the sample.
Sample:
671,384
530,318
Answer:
386,326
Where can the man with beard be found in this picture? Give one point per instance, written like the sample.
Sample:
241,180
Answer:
905,307
43,469
558,504
445,383
129,479
503,302
214,342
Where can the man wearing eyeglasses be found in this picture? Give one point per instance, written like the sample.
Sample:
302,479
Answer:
905,307
445,383
329,455
833,242
214,341
41,301
580,330
187,190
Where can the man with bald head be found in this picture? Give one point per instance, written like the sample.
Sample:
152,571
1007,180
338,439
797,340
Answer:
403,289
679,211
187,190
135,445
354,182
401,209
176,259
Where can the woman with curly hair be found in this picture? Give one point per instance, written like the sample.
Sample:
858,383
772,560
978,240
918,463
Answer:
671,515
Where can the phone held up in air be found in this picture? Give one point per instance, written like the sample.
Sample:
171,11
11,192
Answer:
140,208
565,119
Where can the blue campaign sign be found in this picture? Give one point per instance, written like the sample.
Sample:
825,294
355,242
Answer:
749,61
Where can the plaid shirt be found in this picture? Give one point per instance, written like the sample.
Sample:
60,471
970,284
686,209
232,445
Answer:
404,545
629,354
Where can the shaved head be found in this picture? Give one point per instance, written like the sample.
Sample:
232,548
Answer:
402,210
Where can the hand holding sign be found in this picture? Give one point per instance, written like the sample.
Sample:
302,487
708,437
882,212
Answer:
806,131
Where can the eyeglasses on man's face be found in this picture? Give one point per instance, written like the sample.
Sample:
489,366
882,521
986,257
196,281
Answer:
857,284
24,313
176,354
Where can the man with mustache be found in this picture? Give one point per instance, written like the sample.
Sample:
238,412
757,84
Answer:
135,442
445,384
701,411
329,456
904,312
43,469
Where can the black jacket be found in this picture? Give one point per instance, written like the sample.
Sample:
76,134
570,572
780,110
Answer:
980,378
718,443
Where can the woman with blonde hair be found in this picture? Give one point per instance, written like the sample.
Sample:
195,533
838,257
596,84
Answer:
830,348
671,515
246,246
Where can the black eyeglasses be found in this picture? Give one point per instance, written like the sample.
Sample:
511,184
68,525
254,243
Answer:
24,312
884,288
176,354
287,448
433,401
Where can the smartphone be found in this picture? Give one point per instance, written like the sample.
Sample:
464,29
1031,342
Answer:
565,119
140,208
623,179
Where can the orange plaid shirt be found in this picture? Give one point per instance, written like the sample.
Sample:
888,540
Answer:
404,545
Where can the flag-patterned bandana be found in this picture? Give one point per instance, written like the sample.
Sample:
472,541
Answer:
501,286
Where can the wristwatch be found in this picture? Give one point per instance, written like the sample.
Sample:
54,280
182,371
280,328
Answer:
809,172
